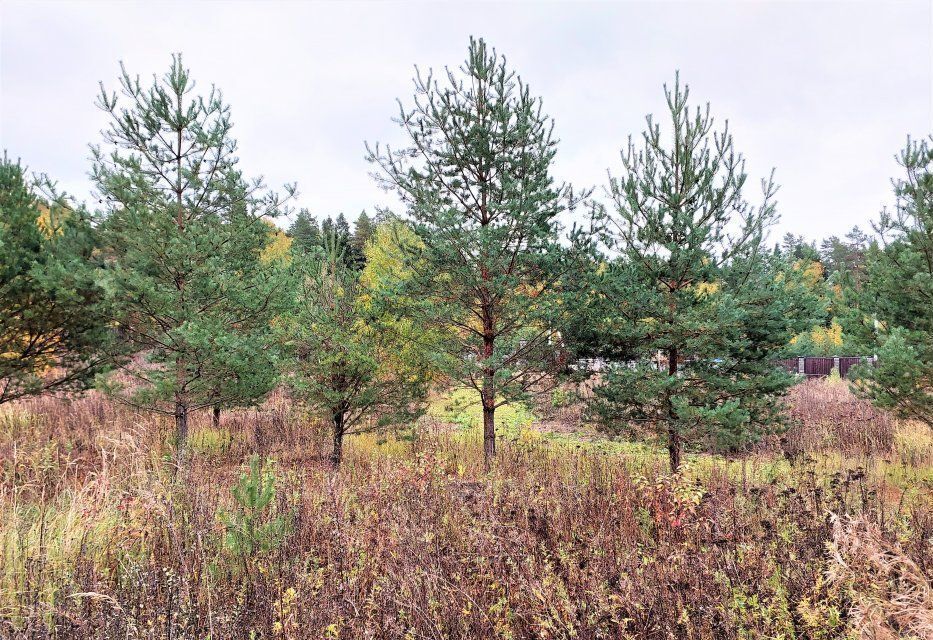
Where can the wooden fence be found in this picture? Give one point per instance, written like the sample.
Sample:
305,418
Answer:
809,366
816,367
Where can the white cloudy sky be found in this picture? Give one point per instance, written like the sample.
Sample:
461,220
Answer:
826,92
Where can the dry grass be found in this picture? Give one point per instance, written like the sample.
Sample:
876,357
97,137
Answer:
413,539
829,417
891,595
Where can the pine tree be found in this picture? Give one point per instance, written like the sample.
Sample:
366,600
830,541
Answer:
53,315
696,298
327,228
252,370
342,230
363,230
477,186
797,248
304,231
184,233
345,362
899,289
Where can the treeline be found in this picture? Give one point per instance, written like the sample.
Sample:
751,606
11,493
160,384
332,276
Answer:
179,293
308,234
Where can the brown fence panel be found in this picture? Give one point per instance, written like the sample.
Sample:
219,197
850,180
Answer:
814,366
846,363
817,366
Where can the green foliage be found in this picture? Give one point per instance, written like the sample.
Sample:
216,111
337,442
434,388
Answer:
561,398
249,527
821,340
363,230
846,258
185,235
693,298
797,249
386,297
53,314
305,232
346,362
311,238
475,180
900,291
460,407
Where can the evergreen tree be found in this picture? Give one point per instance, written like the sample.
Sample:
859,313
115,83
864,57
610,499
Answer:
477,186
345,364
363,231
342,230
249,374
53,319
899,289
184,233
833,253
798,248
698,300
327,229
845,258
304,231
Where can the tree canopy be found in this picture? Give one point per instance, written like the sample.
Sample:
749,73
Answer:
54,333
899,290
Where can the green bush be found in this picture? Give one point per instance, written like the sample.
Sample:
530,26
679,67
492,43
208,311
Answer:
249,527
561,398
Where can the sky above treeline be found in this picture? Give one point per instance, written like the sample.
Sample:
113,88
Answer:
824,92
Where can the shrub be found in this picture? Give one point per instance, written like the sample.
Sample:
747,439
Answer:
250,527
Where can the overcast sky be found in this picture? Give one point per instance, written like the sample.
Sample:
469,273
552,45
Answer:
825,92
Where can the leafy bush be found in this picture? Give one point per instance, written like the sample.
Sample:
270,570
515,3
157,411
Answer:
561,398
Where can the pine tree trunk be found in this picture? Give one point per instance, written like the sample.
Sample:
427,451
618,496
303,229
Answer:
181,430
337,455
674,444
489,430
215,419
181,409
673,447
489,393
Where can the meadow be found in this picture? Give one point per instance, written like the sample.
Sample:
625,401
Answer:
823,532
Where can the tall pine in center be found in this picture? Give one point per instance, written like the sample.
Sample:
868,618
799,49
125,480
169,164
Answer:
476,182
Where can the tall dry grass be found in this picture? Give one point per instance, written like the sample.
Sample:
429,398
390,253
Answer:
413,538
827,416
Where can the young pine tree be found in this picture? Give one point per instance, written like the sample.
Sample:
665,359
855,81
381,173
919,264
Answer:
344,363
184,234
477,186
696,302
53,316
899,290
252,373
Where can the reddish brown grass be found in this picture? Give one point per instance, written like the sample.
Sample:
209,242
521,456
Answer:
413,539
827,416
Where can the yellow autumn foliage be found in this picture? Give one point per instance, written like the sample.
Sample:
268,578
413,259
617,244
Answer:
707,289
825,340
812,271
279,247
827,337
48,221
